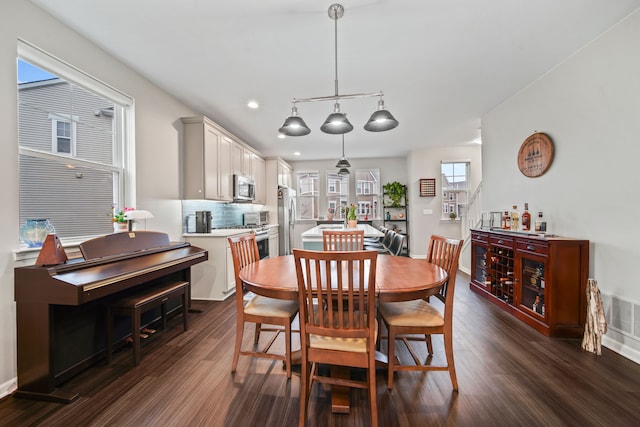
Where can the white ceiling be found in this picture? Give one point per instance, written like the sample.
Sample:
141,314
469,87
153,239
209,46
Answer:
442,64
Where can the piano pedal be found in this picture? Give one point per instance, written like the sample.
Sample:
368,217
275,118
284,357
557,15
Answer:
148,331
144,336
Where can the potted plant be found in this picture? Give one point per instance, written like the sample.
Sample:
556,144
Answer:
119,220
395,192
352,219
453,216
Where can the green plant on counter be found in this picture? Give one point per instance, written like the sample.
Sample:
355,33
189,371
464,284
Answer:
452,216
352,213
395,192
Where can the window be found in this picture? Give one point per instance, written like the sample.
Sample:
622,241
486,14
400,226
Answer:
455,187
367,193
63,134
74,148
337,193
308,194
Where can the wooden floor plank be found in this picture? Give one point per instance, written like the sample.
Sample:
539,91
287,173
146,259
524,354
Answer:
508,374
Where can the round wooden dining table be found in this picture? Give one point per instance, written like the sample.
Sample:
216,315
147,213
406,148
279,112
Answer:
397,279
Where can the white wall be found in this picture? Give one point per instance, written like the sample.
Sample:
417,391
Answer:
158,150
425,163
589,107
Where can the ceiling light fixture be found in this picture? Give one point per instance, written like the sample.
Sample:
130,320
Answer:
343,162
337,122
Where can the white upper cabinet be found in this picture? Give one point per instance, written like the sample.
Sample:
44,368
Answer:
207,156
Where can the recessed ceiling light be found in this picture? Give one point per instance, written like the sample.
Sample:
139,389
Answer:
282,136
297,153
253,104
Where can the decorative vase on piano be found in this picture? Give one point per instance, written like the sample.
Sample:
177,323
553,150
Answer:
34,231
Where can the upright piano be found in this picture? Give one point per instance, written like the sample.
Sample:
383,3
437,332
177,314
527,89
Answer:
60,309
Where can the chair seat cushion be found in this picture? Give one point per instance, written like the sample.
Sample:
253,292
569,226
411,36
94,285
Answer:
264,306
355,345
411,313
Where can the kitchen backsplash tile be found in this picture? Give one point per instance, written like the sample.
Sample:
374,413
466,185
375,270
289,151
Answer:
222,214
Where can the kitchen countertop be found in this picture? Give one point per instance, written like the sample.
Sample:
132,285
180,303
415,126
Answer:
316,232
225,232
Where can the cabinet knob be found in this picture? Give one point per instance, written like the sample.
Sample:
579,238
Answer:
531,248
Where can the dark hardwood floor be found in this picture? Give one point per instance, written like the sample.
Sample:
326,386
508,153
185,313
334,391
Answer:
509,375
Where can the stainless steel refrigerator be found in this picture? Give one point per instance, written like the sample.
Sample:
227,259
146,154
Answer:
286,218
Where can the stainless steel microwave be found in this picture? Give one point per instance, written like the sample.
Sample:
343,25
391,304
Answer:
244,189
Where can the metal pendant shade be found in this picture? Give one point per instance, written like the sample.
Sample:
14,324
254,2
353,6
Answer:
294,125
337,122
343,172
381,120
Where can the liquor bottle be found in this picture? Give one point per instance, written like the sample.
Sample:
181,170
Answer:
541,224
526,218
514,218
506,221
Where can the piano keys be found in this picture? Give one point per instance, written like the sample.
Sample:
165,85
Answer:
61,309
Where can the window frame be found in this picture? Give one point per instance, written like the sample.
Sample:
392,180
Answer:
454,198
123,161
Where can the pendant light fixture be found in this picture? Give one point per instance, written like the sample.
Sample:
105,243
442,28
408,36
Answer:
337,122
343,163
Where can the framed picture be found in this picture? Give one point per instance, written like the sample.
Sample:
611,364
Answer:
452,196
452,208
445,208
445,195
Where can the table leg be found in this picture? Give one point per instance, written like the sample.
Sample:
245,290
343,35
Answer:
340,395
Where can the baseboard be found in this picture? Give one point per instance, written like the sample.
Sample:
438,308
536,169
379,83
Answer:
8,387
622,349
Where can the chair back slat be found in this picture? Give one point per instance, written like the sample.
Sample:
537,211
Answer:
344,281
445,253
244,251
347,240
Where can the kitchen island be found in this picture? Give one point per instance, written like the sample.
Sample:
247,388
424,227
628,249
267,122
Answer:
312,238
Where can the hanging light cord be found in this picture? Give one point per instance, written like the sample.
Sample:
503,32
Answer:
335,43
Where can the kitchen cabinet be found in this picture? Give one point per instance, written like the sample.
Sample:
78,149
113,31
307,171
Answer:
213,279
540,280
259,171
248,163
207,157
274,245
285,174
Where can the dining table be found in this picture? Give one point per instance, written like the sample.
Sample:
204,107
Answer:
397,279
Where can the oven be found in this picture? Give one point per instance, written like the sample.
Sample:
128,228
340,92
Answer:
262,239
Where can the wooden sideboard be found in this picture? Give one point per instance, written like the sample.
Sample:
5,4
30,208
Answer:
540,280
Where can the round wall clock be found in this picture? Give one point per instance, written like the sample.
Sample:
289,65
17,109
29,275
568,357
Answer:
535,155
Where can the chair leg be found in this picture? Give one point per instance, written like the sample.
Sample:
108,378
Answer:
391,344
373,402
305,380
257,333
448,349
236,349
287,349
427,338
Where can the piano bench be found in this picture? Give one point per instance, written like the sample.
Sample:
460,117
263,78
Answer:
138,303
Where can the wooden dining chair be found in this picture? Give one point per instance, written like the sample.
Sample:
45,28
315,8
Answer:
343,240
259,309
344,333
417,320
